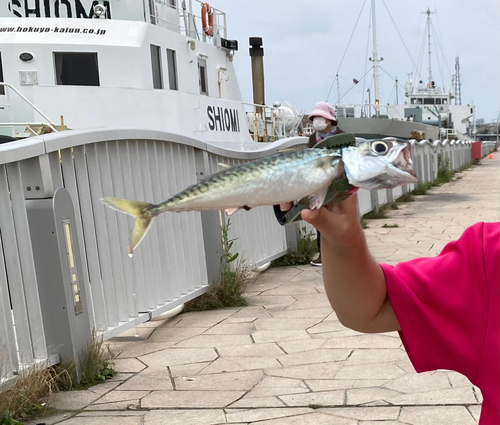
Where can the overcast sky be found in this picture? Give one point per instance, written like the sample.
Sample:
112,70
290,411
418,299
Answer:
304,42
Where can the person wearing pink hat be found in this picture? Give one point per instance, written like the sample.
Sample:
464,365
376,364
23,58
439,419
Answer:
324,121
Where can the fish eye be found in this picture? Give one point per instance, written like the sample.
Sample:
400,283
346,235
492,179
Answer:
380,147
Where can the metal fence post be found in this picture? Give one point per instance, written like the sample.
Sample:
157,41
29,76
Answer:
211,224
56,253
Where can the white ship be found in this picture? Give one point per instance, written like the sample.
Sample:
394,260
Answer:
158,65
430,112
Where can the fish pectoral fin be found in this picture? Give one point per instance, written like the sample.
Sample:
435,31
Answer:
231,211
317,198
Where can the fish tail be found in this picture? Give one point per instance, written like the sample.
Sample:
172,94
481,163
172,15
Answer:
143,214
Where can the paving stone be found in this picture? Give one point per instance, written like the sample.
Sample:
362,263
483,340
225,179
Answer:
461,395
108,420
231,381
103,387
429,415
231,329
307,312
250,363
475,411
300,346
413,382
188,369
316,356
185,417
286,323
272,392
190,399
293,289
314,371
140,348
326,326
174,335
138,332
364,341
254,415
72,400
325,398
364,413
216,341
219,366
251,350
104,413
376,396
381,371
128,365
118,395
279,335
309,419
258,402
337,384
267,300
178,356
149,380
368,356
457,379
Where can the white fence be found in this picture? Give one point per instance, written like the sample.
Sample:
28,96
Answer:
180,254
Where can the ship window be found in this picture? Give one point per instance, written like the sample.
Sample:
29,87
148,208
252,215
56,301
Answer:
171,3
156,66
428,101
173,84
2,88
202,74
419,101
438,101
413,101
76,69
445,101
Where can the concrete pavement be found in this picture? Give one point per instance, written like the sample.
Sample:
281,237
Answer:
285,358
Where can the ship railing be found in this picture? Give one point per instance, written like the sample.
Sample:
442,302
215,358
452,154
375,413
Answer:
367,111
13,125
178,259
190,21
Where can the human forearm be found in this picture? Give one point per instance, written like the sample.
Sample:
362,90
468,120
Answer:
355,285
354,281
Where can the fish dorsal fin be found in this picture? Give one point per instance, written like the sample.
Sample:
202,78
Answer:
317,198
231,211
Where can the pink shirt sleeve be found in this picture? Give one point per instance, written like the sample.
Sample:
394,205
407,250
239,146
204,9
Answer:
441,305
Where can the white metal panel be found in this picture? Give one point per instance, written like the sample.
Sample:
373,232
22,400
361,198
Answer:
83,199
364,201
382,196
8,352
127,284
152,238
101,236
144,250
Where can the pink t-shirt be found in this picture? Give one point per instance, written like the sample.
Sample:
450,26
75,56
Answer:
448,310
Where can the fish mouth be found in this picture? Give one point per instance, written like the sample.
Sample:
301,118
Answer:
404,161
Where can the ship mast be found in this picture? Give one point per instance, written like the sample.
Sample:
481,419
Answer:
429,43
375,60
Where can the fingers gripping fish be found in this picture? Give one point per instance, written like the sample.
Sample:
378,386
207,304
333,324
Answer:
280,178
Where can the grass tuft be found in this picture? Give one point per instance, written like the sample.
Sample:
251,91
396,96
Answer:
390,226
307,247
21,397
407,197
234,277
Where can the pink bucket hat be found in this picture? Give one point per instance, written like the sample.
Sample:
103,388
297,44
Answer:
325,110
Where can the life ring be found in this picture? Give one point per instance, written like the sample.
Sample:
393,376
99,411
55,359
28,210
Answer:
207,11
